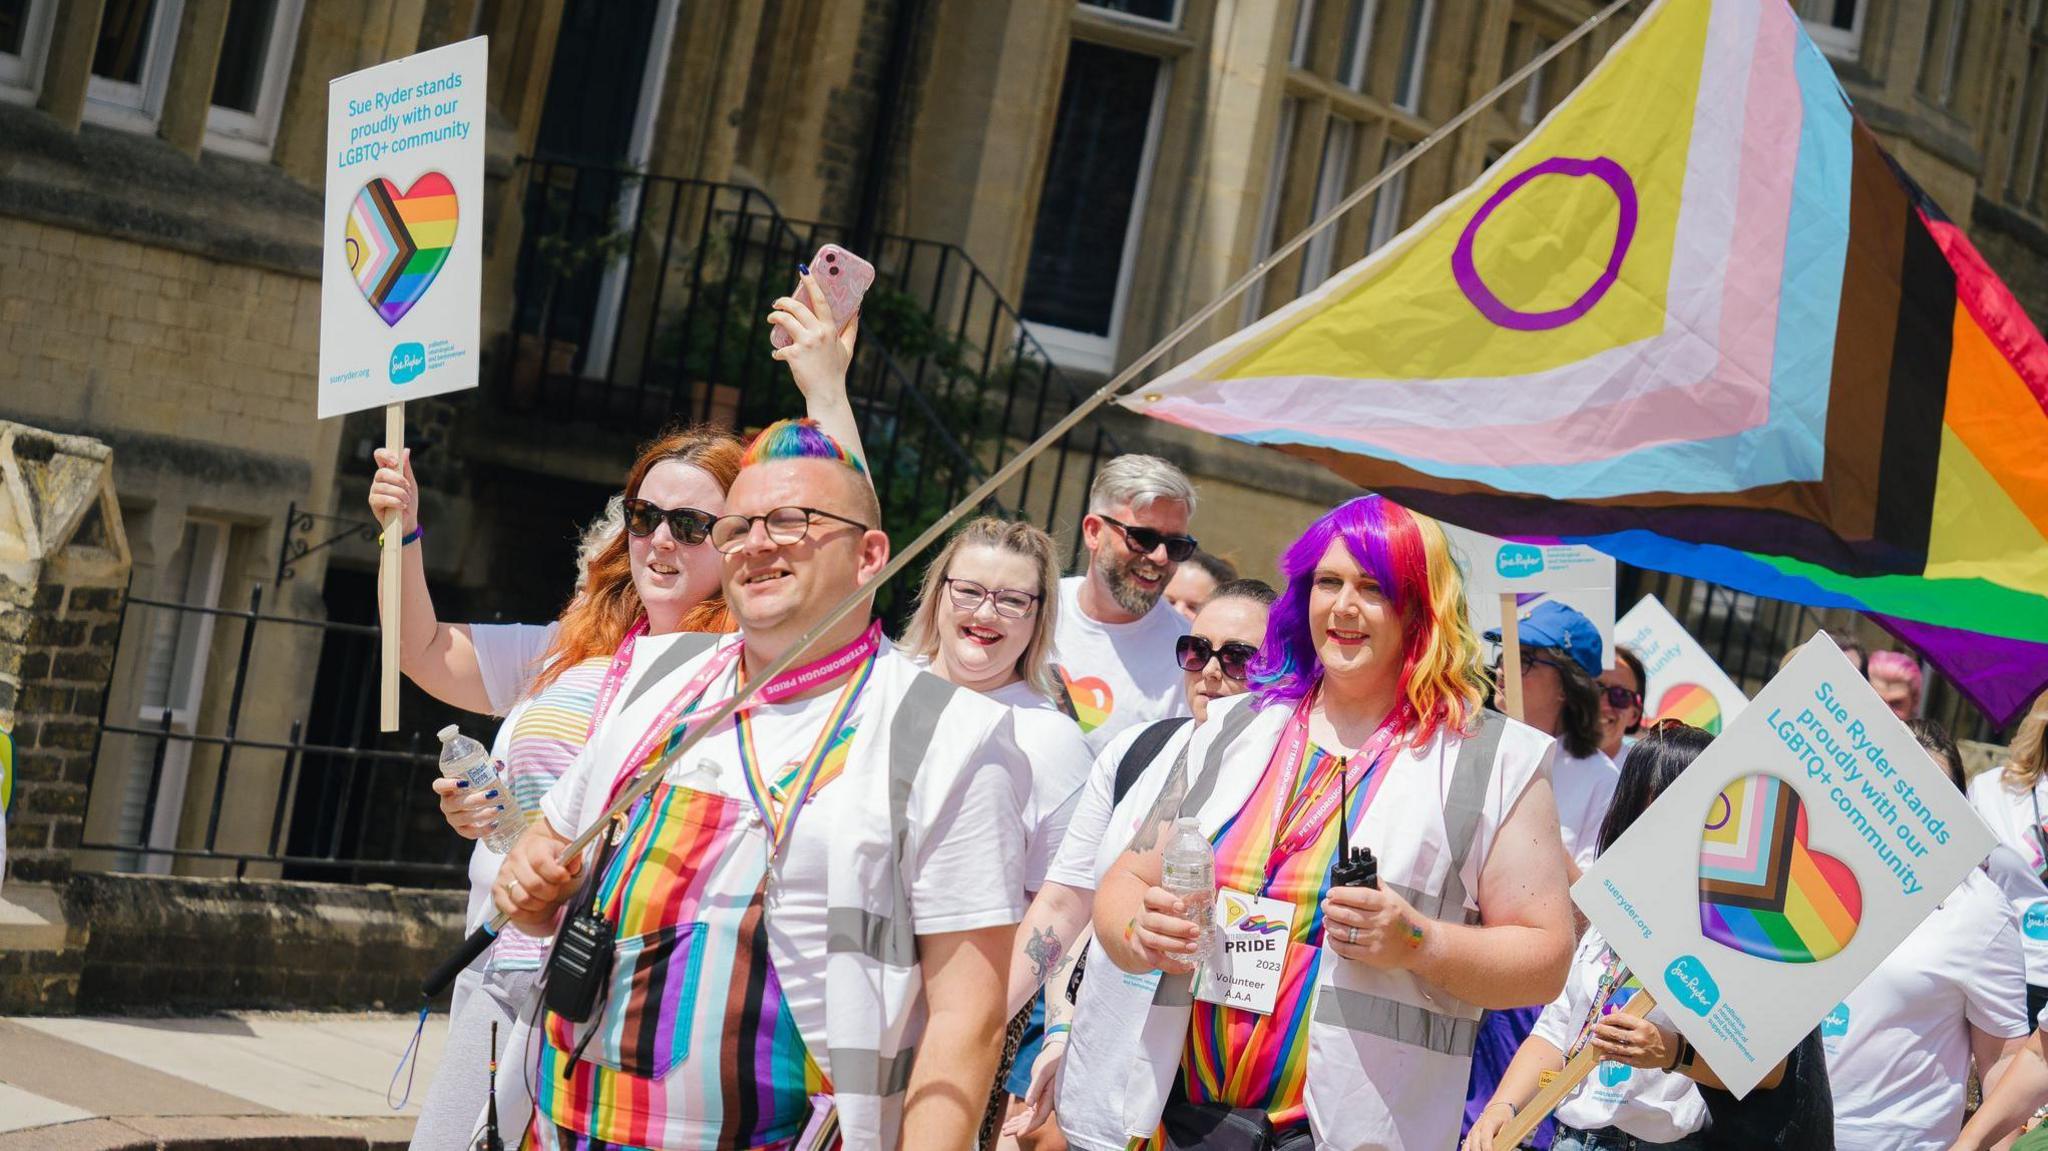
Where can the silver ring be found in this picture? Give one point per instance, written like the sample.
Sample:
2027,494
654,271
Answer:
1353,937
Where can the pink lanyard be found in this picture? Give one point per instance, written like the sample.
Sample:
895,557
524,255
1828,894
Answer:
822,670
622,662
1300,811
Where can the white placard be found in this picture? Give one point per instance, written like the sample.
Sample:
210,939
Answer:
1783,865
1681,681
1579,577
401,282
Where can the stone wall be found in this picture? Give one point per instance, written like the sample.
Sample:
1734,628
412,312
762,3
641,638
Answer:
63,566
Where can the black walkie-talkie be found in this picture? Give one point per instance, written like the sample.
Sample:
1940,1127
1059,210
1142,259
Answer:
1355,867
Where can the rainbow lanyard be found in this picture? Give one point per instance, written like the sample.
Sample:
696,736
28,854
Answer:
781,816
1612,976
1300,811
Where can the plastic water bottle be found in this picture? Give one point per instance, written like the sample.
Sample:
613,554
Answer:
465,758
1189,872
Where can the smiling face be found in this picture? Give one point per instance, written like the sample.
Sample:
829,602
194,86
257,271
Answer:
1616,722
778,591
1357,631
979,649
670,576
1134,579
1233,619
1189,589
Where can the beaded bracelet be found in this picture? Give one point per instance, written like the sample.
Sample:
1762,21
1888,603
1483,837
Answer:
414,536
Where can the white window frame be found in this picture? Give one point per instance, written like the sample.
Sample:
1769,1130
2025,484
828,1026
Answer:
611,290
1333,183
1352,72
1269,213
1391,200
1304,26
1833,41
250,135
138,106
1951,54
1179,10
206,575
1532,95
1085,350
21,76
1417,64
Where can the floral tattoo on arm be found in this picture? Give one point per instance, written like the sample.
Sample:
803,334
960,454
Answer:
1044,950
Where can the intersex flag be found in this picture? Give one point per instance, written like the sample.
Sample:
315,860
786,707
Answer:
1697,318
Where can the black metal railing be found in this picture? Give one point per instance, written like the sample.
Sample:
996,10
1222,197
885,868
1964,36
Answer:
347,804
1749,636
640,300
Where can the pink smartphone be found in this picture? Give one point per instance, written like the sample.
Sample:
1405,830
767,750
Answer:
844,278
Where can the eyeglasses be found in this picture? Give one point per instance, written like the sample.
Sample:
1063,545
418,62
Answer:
1530,662
690,526
1145,541
1620,698
785,525
1194,653
1010,603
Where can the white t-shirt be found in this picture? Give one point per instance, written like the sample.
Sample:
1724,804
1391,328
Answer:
957,880
508,655
1899,1046
1584,789
2010,815
1081,859
1059,758
1118,674
1654,1106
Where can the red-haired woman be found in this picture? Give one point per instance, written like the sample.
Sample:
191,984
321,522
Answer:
1360,1035
655,575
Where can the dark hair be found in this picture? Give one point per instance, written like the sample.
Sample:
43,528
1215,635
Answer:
1936,739
1647,769
1581,719
1214,566
1635,667
1854,649
1256,590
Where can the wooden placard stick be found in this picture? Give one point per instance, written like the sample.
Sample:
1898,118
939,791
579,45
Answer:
1511,654
1552,1093
390,581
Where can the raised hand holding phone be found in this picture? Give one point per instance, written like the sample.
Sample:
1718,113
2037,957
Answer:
809,336
838,281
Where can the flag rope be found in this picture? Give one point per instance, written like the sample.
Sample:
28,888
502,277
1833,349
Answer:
1102,395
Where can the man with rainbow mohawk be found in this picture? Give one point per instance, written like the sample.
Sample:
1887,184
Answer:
813,914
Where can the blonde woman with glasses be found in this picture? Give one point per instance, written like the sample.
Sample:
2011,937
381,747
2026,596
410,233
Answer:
984,620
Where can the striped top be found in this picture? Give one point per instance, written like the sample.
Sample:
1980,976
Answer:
547,733
1239,1057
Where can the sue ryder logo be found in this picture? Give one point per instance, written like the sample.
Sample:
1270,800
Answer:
1695,989
1518,560
408,360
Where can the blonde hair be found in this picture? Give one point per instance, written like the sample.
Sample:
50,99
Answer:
2029,747
921,634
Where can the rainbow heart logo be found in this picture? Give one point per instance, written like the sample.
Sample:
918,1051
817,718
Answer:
397,242
1093,701
1763,891
1693,704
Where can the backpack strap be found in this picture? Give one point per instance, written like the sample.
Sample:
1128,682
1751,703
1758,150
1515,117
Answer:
1142,752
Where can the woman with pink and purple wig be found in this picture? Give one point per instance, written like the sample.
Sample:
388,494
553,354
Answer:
1344,1016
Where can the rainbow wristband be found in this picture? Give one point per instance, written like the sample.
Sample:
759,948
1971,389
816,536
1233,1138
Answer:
1053,1029
418,532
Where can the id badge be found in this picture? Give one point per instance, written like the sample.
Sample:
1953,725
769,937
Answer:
1252,934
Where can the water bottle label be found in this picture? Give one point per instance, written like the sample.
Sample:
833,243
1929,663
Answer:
481,776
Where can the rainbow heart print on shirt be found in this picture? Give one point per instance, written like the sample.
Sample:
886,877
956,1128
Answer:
1691,704
1763,891
397,242
1093,701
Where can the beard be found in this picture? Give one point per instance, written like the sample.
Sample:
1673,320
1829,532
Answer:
1126,591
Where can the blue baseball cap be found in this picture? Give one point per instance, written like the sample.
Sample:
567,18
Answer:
1552,624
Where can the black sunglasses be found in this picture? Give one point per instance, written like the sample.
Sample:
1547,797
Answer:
1530,662
1145,541
1194,653
1620,698
690,526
